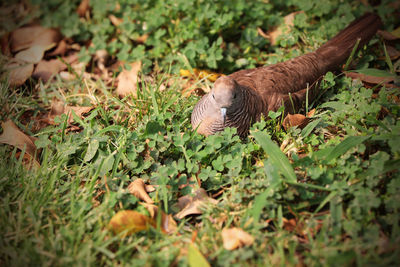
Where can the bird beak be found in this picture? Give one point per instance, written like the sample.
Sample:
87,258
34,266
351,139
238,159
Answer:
223,114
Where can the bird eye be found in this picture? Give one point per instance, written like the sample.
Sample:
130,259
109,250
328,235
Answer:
234,96
213,96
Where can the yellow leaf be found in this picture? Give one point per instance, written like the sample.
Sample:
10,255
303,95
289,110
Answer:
195,258
236,237
129,222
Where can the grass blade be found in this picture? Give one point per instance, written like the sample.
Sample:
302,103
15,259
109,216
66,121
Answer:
344,146
276,155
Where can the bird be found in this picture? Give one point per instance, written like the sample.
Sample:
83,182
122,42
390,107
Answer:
241,98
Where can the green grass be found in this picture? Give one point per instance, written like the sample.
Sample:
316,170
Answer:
340,184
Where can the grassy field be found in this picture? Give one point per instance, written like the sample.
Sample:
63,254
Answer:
324,195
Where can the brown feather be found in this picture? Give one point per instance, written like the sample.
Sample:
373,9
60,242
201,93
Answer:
246,94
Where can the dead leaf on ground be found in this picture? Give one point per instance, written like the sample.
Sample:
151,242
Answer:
298,120
168,224
28,161
235,237
18,71
284,28
46,69
58,108
115,21
27,37
142,38
127,80
191,205
388,36
311,113
137,188
369,78
201,74
130,221
83,8
392,52
60,50
32,55
13,136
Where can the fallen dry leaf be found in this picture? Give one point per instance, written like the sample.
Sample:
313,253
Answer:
142,38
115,21
392,52
32,55
137,188
60,50
201,74
13,136
369,78
311,113
58,108
292,120
235,237
46,69
83,8
150,188
190,205
27,37
130,221
387,35
168,224
127,80
284,28
28,161
18,71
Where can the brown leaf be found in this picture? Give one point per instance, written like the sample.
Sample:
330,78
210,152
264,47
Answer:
284,28
115,21
60,50
369,78
387,35
83,8
58,108
26,37
18,71
168,224
46,69
33,54
292,120
129,221
137,188
149,188
190,205
28,161
235,237
127,80
311,113
13,136
142,39
392,52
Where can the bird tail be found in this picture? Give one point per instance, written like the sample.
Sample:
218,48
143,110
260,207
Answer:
336,51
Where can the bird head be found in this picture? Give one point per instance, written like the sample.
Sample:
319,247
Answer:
225,94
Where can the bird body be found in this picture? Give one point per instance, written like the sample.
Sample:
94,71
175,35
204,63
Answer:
239,99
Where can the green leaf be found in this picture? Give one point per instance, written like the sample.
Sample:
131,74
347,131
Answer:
276,155
345,145
310,127
260,202
92,149
195,258
375,72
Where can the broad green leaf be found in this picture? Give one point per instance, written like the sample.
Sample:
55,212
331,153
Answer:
310,127
276,155
260,202
92,149
375,72
195,258
345,145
